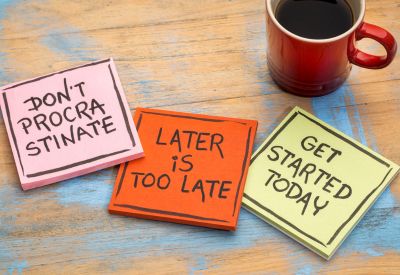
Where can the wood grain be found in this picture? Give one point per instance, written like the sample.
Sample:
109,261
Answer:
203,56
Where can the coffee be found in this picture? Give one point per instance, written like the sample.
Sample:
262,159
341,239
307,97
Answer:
315,19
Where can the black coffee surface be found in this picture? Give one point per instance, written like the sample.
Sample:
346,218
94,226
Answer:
315,19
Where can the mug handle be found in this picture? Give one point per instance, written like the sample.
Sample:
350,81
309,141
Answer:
369,61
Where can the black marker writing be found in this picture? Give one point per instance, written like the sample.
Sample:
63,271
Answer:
302,173
52,111
200,141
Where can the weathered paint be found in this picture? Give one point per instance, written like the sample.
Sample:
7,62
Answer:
17,267
92,190
333,109
4,78
220,69
71,44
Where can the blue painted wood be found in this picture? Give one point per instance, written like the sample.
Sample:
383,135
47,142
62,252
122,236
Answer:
181,56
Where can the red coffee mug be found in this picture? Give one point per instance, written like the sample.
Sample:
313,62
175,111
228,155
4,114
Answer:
314,67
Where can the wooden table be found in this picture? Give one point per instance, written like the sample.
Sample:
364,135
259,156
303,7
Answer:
205,57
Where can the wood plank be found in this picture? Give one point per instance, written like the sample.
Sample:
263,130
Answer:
88,236
196,56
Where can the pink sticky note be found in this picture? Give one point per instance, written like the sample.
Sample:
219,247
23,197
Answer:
69,123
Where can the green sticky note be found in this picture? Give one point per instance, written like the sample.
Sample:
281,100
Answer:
313,182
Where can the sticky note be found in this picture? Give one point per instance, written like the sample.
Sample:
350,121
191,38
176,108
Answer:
313,182
193,172
68,123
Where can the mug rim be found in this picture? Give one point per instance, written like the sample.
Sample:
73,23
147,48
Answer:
310,40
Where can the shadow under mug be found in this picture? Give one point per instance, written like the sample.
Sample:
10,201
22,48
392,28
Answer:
315,67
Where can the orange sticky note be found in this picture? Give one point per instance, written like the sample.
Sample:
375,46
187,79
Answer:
193,172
